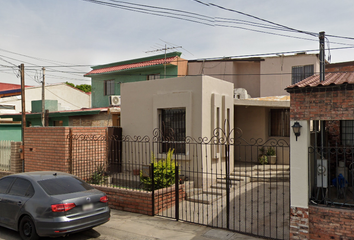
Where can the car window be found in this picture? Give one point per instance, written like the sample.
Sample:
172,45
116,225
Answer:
5,183
64,185
22,187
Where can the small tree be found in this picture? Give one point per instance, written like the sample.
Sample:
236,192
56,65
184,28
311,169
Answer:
164,172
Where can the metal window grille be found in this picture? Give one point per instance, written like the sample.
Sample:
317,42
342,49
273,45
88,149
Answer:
173,127
109,87
299,73
153,76
280,122
347,132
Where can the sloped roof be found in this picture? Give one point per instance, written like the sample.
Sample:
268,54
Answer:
337,78
9,86
132,65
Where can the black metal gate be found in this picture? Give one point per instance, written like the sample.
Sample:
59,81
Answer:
223,181
232,183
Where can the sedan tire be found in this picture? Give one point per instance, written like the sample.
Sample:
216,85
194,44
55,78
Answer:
27,229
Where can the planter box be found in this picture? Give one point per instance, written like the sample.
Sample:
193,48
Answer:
272,159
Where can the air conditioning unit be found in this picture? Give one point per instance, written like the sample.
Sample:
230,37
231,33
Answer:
115,100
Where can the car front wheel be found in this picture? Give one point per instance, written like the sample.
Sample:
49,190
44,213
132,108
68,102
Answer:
27,229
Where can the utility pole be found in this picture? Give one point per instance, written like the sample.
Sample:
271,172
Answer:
23,103
43,98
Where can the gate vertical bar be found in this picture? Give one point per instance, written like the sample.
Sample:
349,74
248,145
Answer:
176,192
227,162
152,189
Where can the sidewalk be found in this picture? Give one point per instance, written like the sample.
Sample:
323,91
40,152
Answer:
126,225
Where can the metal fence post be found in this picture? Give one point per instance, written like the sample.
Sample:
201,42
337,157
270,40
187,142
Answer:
152,189
227,162
177,193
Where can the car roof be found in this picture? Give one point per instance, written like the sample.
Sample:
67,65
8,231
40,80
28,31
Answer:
42,175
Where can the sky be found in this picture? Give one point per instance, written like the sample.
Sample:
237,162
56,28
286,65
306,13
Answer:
68,36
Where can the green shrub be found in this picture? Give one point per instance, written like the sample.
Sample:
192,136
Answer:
263,159
164,173
270,151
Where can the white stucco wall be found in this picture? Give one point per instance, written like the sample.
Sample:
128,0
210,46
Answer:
299,180
69,98
276,72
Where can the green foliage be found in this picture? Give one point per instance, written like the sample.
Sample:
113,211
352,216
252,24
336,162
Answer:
270,151
82,87
263,159
98,176
164,173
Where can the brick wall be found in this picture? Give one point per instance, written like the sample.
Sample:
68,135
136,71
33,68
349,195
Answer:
141,201
331,223
299,223
326,105
48,148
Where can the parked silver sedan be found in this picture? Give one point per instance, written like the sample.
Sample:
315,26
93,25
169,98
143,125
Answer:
50,204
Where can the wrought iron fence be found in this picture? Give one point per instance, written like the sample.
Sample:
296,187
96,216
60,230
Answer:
331,175
225,184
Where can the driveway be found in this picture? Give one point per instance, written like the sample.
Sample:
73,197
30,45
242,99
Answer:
126,225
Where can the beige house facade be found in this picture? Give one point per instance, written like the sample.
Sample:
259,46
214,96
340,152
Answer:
206,104
261,76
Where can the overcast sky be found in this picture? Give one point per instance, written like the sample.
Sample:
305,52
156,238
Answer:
76,32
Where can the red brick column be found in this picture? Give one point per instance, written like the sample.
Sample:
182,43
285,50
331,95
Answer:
299,223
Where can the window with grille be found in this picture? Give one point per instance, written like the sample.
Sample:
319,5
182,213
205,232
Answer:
153,76
280,122
109,87
347,132
299,73
173,128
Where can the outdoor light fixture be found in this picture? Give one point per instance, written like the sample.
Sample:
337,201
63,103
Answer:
296,128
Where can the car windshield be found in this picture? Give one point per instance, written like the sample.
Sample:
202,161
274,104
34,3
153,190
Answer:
64,185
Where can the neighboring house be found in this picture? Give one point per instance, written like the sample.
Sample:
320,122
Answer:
261,76
93,117
9,89
322,157
58,97
106,79
69,98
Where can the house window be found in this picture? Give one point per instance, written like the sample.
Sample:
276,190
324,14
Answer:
109,87
58,123
280,122
153,76
173,127
299,73
347,132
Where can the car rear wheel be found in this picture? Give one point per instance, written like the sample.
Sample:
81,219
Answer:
27,229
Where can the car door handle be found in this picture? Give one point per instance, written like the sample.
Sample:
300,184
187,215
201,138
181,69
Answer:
19,203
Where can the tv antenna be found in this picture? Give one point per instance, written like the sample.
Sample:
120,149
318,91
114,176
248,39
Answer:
164,49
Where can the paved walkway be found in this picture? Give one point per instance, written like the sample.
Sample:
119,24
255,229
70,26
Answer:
126,225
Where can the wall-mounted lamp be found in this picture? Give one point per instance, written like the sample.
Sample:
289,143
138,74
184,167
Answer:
296,128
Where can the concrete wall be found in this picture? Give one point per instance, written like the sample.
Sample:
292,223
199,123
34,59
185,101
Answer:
69,98
241,74
276,72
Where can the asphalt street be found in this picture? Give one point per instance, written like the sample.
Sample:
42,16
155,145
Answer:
126,225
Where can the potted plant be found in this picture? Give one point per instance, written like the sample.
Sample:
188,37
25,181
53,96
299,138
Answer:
272,158
262,158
